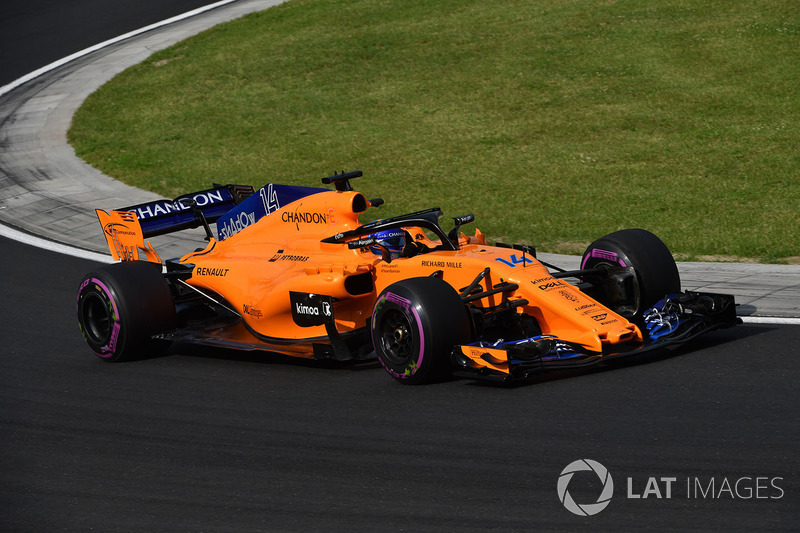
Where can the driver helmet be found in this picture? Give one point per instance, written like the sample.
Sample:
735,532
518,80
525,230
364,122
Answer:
393,240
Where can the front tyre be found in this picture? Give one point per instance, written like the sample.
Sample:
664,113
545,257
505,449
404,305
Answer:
656,273
415,325
121,306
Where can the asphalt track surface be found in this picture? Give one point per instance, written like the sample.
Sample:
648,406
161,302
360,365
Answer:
225,441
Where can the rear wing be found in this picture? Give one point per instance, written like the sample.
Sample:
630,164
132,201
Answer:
125,229
232,207
188,211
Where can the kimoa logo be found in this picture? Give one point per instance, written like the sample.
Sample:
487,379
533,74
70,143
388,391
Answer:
587,509
306,310
302,309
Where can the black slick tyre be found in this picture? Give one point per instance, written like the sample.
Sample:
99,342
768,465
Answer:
416,323
656,272
121,306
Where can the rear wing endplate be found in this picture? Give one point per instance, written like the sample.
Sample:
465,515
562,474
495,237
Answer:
124,237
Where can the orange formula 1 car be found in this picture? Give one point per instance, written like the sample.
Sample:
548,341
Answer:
293,270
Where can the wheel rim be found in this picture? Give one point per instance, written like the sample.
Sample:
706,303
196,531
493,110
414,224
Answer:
396,339
629,309
97,318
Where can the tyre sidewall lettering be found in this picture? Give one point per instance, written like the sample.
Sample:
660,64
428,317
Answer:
609,255
404,305
101,290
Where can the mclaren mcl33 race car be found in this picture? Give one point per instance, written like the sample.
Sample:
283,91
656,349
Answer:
293,270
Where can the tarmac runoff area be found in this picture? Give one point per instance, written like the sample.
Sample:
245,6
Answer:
48,195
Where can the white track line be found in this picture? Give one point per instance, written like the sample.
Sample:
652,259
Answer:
52,66
770,320
27,238
11,233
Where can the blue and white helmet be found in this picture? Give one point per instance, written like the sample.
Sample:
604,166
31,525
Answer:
393,240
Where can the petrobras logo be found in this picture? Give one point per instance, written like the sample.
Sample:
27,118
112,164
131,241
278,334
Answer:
236,224
591,508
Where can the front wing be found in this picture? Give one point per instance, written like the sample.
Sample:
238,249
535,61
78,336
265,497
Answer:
674,320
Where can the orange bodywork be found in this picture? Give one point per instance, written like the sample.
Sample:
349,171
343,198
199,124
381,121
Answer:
255,270
124,237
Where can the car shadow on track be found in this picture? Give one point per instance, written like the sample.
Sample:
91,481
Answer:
269,358
706,342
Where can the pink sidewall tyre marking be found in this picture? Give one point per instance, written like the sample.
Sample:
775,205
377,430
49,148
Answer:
415,321
94,288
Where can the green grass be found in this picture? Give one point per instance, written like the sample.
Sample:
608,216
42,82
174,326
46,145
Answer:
554,121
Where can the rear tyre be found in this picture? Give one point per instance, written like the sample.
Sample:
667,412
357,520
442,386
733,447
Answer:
656,273
121,306
415,325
